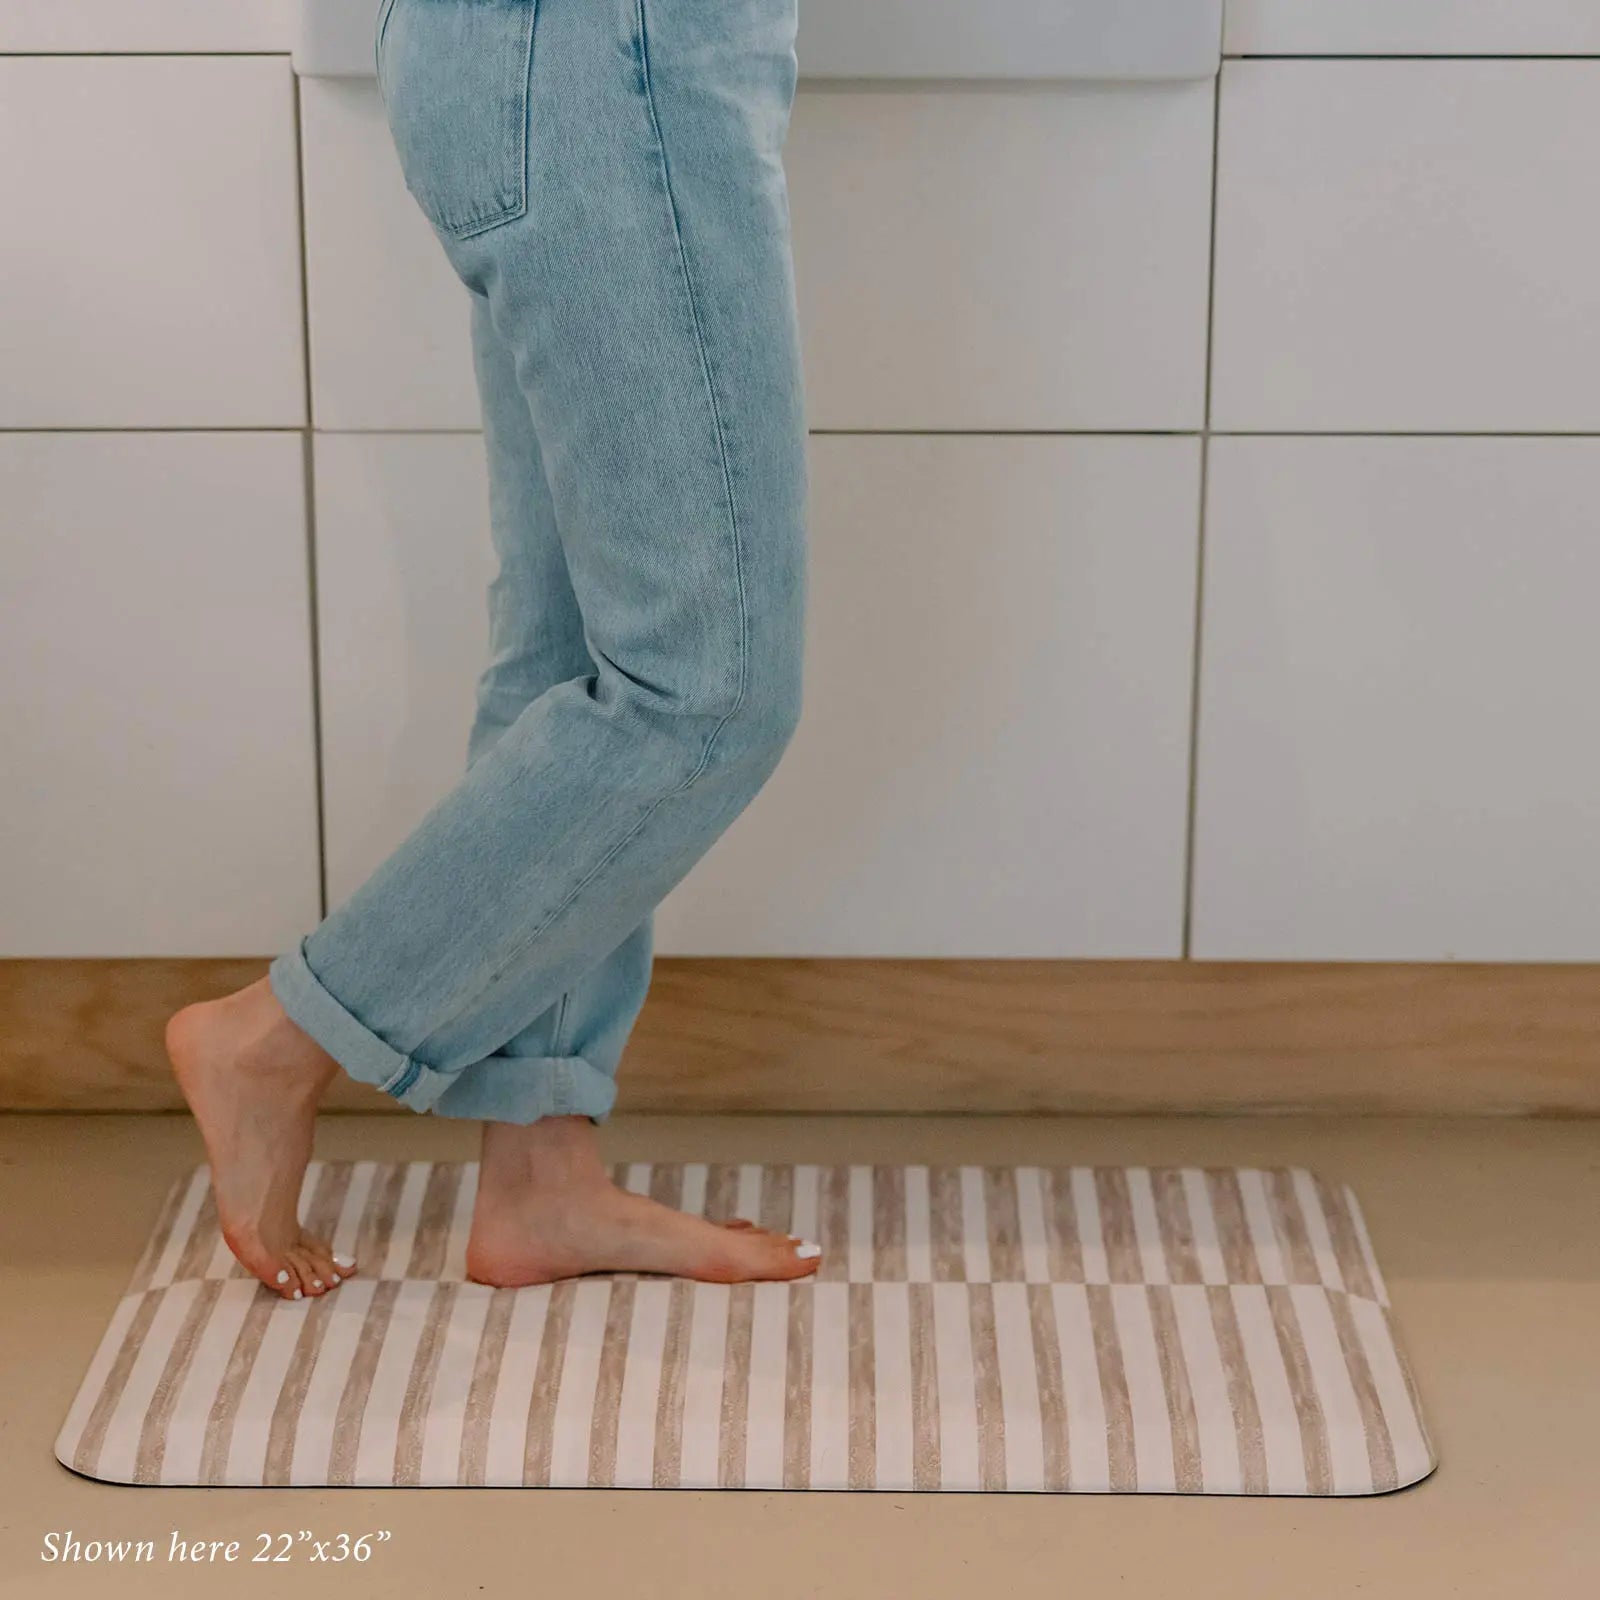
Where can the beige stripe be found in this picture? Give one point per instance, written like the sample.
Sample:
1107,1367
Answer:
889,1224
225,1408
608,1385
1188,1476
735,1387
797,1387
833,1222
1380,1446
414,1408
358,1384
1241,1391
667,1470
1005,1224
1052,1403
1123,1261
291,1399
777,1198
863,1408
547,1383
153,1432
925,1466
94,1432
479,1409
327,1200
377,1218
1299,1259
1063,1242
1177,1228
986,1388
1303,1386
1233,1231
666,1183
947,1228
156,1245
432,1237
202,1240
1122,1464
722,1186
1346,1246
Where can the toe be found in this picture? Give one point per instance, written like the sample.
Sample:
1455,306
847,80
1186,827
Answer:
305,1275
319,1256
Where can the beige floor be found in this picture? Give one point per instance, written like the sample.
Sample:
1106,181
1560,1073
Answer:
1489,1233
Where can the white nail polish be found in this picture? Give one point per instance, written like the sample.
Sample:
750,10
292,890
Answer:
283,1276
344,1261
806,1250
316,1283
299,1294
336,1278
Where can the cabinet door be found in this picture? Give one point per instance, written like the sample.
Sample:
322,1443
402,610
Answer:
152,257
157,717
1397,758
1412,27
966,259
98,26
993,755
1408,246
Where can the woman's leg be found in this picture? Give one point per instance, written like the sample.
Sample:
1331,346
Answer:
622,208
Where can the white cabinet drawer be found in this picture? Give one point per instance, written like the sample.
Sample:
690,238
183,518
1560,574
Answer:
187,26
993,756
1412,27
1408,246
150,275
967,259
155,648
1397,759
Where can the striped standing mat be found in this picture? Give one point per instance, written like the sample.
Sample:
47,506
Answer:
1204,1331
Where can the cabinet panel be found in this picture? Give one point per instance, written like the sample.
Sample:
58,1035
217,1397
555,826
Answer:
966,259
994,753
151,271
156,656
1408,246
1412,27
1396,743
98,26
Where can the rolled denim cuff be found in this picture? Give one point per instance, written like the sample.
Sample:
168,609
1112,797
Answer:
525,1088
362,1054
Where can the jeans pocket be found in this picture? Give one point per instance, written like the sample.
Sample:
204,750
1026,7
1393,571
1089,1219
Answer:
454,78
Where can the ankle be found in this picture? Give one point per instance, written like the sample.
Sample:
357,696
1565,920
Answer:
556,1154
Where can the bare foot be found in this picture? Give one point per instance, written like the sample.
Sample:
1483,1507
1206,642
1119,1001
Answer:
252,1079
546,1208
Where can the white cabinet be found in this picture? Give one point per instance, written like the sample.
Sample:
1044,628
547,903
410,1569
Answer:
966,259
1412,27
993,757
1397,753
1408,246
177,26
156,714
151,270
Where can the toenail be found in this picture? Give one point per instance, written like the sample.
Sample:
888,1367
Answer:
299,1294
336,1277
806,1250
344,1261
283,1276
316,1283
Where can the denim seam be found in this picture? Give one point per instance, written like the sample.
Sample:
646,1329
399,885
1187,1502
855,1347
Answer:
561,1023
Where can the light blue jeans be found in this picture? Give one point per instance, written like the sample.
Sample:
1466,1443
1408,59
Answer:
605,178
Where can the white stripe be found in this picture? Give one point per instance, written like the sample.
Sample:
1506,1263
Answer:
641,1386
1030,1226
313,1440
1317,1230
406,1212
1280,1425
919,1253
186,1425
636,1180
804,1225
1220,1468
569,1446
94,1380
1086,1203
769,1348
1330,1379
1203,1224
1019,1387
507,1443
694,1188
380,1419
958,1402
1258,1218
1359,1222
702,1385
182,1227
1147,1226
891,1355
247,1452
747,1200
974,1225
1154,1467
1090,1464
119,1454
859,1203
455,1248
1413,1455
452,1383
348,1230
830,1386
